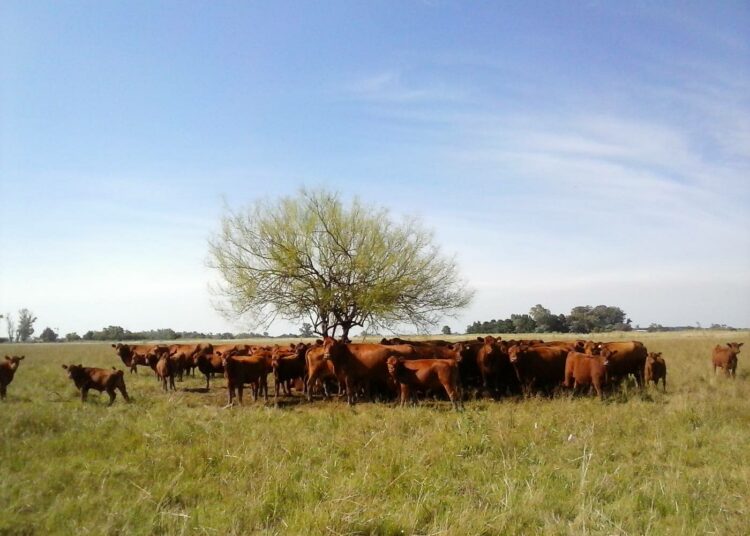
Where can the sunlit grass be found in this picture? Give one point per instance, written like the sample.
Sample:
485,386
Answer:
178,463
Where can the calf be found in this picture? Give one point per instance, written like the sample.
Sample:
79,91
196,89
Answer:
287,368
99,379
7,371
656,369
165,370
425,374
586,370
726,358
241,370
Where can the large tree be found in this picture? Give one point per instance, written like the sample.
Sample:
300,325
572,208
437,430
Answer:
25,328
314,258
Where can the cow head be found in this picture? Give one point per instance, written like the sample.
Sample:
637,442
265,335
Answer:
735,346
516,352
654,356
14,360
332,348
605,355
394,364
124,352
74,371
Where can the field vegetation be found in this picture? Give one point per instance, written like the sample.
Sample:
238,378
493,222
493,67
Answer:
178,463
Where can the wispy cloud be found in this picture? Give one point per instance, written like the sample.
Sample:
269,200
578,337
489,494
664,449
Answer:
391,87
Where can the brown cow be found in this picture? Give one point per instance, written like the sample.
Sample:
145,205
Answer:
362,364
99,379
7,371
209,363
541,367
133,355
495,368
288,367
183,356
425,374
241,370
726,358
586,370
628,357
165,370
656,369
320,371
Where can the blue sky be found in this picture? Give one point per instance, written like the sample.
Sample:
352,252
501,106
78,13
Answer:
567,153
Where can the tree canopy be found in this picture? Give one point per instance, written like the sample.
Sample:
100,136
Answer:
310,257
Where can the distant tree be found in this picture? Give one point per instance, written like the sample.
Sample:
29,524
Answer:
112,333
71,337
446,330
546,322
88,336
306,330
10,326
523,323
48,335
25,325
579,319
313,257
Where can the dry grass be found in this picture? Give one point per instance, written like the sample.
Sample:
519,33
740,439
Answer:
639,463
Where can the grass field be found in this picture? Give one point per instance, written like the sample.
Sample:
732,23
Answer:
638,463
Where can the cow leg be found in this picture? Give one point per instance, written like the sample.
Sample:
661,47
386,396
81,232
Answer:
171,381
349,390
240,388
230,393
84,394
664,382
207,381
264,387
288,387
2,391
404,394
112,395
123,391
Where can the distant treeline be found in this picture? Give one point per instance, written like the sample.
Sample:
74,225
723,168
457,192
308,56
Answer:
581,319
118,333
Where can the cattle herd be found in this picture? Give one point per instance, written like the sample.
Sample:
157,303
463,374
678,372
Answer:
486,366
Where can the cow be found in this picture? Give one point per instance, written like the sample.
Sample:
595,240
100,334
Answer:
208,361
629,357
183,356
538,367
320,371
99,379
426,374
8,369
726,358
239,371
495,368
656,369
133,355
165,370
363,364
397,341
587,370
288,367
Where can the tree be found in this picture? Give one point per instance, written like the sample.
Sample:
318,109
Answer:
71,337
48,335
306,330
546,322
310,257
446,330
25,325
523,323
10,324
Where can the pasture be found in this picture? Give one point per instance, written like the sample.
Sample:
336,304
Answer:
178,463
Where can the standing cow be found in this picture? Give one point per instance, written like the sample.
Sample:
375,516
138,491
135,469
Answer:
7,371
726,358
656,369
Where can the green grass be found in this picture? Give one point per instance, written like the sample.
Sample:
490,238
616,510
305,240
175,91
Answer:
639,463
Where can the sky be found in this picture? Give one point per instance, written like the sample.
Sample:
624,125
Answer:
566,153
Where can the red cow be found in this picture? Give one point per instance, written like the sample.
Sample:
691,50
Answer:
425,374
7,371
288,367
245,370
656,369
628,357
99,379
586,370
133,355
541,367
726,358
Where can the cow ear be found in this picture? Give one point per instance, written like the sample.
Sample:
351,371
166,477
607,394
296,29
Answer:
65,367
113,346
740,344
22,357
7,358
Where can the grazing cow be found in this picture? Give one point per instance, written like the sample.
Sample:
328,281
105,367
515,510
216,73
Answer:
165,369
425,374
656,369
99,379
8,369
628,357
587,370
538,367
726,358
133,355
245,370
288,367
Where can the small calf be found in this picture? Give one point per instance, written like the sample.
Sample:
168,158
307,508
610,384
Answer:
165,369
426,374
99,379
655,370
7,371
239,371
288,367
586,370
726,358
